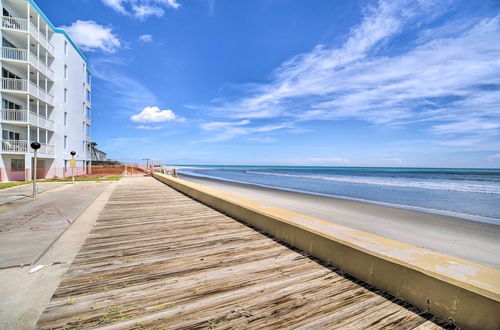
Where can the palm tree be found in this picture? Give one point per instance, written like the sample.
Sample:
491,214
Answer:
93,146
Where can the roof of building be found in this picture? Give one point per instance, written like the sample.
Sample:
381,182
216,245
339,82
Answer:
57,30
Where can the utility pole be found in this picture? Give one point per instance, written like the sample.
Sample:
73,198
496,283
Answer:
72,164
35,146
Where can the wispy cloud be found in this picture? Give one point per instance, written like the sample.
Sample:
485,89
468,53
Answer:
328,160
146,38
220,131
130,94
494,158
149,128
141,9
449,81
91,36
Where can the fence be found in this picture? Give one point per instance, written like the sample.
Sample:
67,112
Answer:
52,172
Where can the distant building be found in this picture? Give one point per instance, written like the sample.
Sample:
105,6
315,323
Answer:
45,91
99,155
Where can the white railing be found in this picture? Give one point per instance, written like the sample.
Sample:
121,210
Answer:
16,54
14,115
88,121
41,93
87,137
19,54
26,116
14,23
47,149
40,36
14,145
15,84
41,66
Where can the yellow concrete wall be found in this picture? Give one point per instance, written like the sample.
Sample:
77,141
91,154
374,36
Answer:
449,287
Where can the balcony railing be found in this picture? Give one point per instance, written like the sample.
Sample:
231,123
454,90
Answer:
87,137
21,24
16,54
42,39
23,85
15,23
14,145
22,146
47,149
88,121
25,116
19,54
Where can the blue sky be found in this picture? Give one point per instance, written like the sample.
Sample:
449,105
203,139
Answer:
292,82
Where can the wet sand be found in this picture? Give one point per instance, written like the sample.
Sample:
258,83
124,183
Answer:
471,240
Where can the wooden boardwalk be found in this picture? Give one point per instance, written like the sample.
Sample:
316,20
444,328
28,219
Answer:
158,259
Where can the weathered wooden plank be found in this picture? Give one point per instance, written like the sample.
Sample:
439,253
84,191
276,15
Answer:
157,259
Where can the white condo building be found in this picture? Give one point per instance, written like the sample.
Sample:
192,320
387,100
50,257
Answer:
46,93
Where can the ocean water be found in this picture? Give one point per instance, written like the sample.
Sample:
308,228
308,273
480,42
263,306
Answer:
467,193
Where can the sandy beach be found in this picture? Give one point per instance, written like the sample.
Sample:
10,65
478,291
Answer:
470,240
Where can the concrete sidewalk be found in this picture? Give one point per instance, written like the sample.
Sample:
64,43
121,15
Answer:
25,295
28,230
13,194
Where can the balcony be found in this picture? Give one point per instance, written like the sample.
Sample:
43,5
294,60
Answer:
21,55
22,146
23,25
23,85
26,117
47,149
14,146
87,138
15,23
88,121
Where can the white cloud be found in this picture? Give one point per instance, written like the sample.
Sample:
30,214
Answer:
154,115
173,3
141,9
149,128
117,5
448,81
221,131
329,160
494,158
146,38
91,36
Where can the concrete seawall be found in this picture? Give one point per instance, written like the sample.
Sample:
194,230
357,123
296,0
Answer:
448,287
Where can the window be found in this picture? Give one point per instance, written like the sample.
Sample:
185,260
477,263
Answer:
65,119
6,104
84,68
7,43
83,146
65,72
65,48
65,142
17,165
9,135
8,74
83,127
65,95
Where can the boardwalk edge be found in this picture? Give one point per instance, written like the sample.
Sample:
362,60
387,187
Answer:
464,292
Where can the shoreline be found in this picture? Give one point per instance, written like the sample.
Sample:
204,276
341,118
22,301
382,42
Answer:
463,238
463,216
